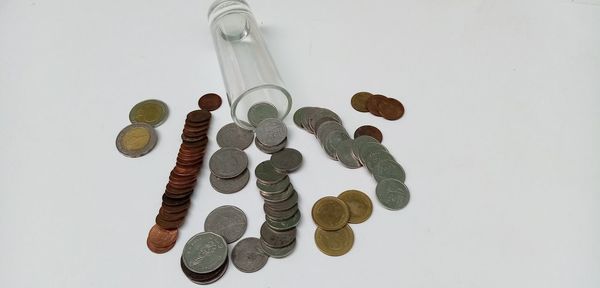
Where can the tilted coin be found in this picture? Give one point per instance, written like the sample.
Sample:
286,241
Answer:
228,162
204,278
136,140
210,102
318,117
261,111
231,185
369,130
328,127
330,213
227,221
359,205
278,197
334,243
358,142
373,104
284,205
276,239
247,255
392,194
152,112
274,188
280,215
359,101
232,135
161,240
271,132
270,149
388,169
391,109
198,116
299,116
285,224
344,154
368,148
266,173
286,160
278,252
332,140
204,252
373,158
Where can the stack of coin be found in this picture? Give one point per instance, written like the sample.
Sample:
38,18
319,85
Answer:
204,259
229,170
271,135
278,233
378,105
333,235
182,179
139,138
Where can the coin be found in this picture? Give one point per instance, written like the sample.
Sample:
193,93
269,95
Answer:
204,278
266,173
278,252
330,213
152,112
228,162
231,185
332,140
388,168
284,214
277,239
136,140
373,104
205,252
284,205
370,131
227,221
284,224
392,194
358,142
391,109
198,116
343,153
247,255
278,197
334,243
368,148
210,102
159,239
232,135
359,101
261,111
375,157
271,132
286,160
274,188
270,149
359,205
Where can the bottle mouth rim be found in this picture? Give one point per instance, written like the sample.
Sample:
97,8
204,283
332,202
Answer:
221,6
284,111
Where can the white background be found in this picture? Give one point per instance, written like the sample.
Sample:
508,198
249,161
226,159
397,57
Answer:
500,140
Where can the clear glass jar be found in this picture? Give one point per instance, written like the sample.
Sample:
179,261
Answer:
249,73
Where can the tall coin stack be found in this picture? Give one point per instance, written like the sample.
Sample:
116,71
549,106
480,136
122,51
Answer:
182,180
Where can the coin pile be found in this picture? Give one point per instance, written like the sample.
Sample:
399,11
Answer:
182,179
229,170
204,259
139,138
333,235
378,105
271,135
278,232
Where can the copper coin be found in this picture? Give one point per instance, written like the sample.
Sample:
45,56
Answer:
171,216
210,102
175,190
391,109
369,131
162,237
174,201
181,171
158,250
359,101
176,209
197,116
166,224
373,104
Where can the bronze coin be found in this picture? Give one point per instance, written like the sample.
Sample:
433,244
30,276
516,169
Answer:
171,216
210,102
174,201
197,116
179,196
369,131
205,278
158,250
391,109
373,104
166,224
175,190
162,237
195,145
176,209
359,101
180,171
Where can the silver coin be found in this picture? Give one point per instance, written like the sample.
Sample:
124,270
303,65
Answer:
392,194
375,157
388,169
270,149
221,271
266,173
368,148
286,160
228,162
227,221
315,118
344,153
298,115
231,185
285,224
261,111
247,255
276,239
333,140
278,252
280,215
279,197
204,253
271,132
275,188
285,204
136,140
306,116
326,128
358,142
232,135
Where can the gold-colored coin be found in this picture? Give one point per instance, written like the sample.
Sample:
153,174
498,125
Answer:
330,213
359,204
136,140
153,112
359,101
335,243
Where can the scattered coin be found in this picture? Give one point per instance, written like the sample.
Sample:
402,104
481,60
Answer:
373,104
152,112
261,111
228,221
392,194
370,131
286,160
359,101
231,185
210,102
391,109
278,252
136,140
232,135
205,252
359,205
247,255
330,213
228,162
271,132
334,243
